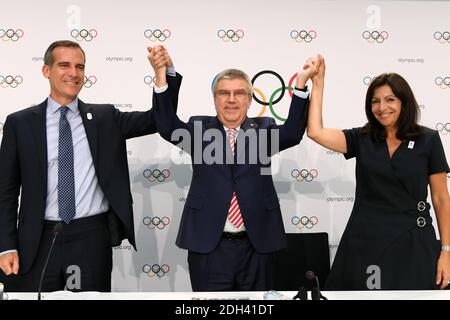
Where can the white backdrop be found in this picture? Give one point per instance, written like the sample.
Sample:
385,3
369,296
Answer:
359,40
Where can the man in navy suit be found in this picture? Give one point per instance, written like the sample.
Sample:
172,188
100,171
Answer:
68,162
231,223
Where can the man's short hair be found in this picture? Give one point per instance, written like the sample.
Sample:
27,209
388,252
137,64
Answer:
48,56
231,74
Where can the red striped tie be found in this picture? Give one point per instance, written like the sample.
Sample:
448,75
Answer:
234,212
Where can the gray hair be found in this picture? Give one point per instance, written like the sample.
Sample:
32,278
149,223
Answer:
231,74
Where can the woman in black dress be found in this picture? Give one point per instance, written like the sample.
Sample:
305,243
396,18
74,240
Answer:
389,242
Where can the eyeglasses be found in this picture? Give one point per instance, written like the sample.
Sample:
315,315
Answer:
238,94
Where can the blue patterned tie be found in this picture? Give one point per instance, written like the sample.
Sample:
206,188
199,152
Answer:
66,179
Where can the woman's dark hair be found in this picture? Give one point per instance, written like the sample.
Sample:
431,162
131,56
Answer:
407,126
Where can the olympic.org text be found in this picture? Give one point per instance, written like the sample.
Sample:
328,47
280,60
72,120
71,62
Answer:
333,153
258,143
340,199
37,59
124,247
411,60
119,59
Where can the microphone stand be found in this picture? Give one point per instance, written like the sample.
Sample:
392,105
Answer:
315,292
56,230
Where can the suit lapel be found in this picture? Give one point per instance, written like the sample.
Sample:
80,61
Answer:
39,129
90,126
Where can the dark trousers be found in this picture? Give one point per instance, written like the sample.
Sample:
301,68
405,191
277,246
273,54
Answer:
233,266
81,259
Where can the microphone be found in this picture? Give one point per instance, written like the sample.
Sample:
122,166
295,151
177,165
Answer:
302,294
56,231
315,292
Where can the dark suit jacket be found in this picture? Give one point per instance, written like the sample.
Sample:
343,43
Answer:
208,200
23,163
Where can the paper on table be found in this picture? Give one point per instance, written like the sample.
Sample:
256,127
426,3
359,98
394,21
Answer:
69,295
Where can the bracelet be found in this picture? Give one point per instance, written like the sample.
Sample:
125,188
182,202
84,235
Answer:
303,90
445,248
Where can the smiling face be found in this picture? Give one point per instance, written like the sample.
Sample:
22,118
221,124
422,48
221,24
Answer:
65,74
386,107
232,100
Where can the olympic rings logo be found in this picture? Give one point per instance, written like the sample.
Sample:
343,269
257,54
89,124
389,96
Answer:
156,270
156,222
442,37
443,128
157,34
230,35
10,34
304,174
10,81
367,80
303,35
304,222
89,81
375,36
156,175
442,83
272,101
83,34
151,81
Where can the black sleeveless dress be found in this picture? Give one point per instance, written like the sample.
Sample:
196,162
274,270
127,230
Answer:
389,242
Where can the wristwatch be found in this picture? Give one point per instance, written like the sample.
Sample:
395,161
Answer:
445,248
303,90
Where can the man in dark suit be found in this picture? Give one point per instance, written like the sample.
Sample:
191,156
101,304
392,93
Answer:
67,159
231,223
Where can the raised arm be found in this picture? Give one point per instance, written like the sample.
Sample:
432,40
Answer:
164,112
139,123
292,130
159,59
333,139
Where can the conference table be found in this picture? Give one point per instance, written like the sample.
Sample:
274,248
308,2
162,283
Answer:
252,295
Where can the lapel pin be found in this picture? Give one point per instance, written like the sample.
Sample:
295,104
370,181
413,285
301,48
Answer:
411,145
89,116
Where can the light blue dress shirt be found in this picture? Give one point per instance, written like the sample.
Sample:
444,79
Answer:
89,197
